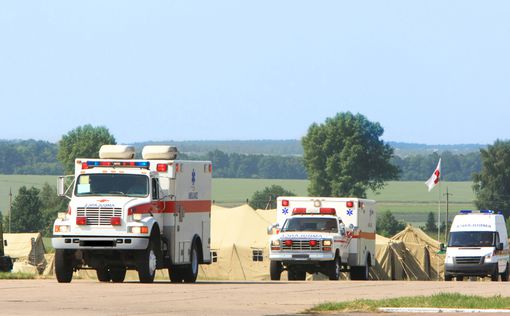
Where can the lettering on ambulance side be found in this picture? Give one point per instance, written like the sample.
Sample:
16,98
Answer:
301,236
475,225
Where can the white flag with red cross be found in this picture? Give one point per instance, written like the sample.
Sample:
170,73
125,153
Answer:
435,177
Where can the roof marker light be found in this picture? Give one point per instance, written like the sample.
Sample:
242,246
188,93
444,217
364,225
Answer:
161,167
285,202
349,204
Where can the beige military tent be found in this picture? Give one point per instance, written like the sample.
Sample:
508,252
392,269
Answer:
27,251
240,244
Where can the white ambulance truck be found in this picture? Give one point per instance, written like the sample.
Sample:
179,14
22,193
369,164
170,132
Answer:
144,214
477,246
319,234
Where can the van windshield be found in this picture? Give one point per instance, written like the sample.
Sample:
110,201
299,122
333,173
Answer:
112,184
310,224
472,239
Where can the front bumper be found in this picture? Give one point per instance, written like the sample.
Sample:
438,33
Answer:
100,243
297,256
481,270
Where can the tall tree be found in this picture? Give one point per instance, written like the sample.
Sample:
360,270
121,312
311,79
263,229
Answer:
387,225
345,156
266,199
492,184
26,213
82,142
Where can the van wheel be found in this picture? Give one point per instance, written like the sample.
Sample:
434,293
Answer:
63,266
504,275
459,278
146,265
103,275
191,270
448,277
334,269
118,274
275,270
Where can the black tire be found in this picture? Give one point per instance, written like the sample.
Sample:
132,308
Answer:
190,271
448,277
103,275
176,275
459,278
6,264
275,270
334,269
495,276
63,266
504,275
118,274
359,273
146,264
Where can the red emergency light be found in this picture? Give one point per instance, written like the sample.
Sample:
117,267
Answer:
327,211
313,243
299,210
288,243
285,202
81,220
115,221
162,167
349,204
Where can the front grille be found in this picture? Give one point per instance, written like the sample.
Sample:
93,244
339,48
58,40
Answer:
298,245
469,260
99,216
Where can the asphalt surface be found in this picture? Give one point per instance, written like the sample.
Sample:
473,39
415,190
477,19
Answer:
89,297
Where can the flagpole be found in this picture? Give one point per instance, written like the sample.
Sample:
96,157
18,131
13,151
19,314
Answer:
439,214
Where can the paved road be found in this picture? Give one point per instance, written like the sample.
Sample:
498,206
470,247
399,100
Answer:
89,297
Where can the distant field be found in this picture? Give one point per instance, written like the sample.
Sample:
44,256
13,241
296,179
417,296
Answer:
409,201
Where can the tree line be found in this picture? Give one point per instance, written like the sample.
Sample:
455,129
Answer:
40,158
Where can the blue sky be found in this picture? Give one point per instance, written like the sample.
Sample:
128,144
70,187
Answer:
434,72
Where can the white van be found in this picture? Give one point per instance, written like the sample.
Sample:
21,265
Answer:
477,246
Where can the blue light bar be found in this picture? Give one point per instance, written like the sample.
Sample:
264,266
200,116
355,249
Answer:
93,163
143,164
465,212
490,212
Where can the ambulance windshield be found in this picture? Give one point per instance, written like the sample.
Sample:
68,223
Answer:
112,184
473,239
310,224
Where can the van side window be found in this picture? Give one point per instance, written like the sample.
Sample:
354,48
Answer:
155,189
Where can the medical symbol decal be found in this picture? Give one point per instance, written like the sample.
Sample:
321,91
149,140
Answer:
193,177
349,212
285,211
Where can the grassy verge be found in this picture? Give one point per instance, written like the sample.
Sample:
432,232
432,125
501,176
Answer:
443,300
16,276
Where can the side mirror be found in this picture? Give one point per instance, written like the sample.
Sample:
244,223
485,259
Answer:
61,189
442,247
5,243
270,228
499,246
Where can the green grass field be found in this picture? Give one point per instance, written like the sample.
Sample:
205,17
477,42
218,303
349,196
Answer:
408,201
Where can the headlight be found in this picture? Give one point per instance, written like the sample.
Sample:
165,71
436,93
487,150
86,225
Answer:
138,229
326,243
275,242
137,217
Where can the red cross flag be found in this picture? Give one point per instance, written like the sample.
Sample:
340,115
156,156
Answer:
434,178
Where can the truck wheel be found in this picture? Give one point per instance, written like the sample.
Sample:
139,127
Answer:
103,275
459,278
504,275
175,273
495,276
146,265
63,266
275,270
118,274
334,269
448,277
191,270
